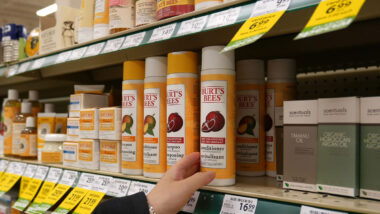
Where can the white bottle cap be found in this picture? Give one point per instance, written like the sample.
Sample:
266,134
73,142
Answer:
12,94
49,108
26,107
33,95
30,122
250,69
282,70
156,66
213,59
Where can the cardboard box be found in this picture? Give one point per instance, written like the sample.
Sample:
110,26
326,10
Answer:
110,155
70,154
72,129
89,123
84,101
88,154
110,123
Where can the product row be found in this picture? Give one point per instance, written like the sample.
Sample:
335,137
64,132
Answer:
13,43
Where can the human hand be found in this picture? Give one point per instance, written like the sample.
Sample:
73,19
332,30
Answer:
177,186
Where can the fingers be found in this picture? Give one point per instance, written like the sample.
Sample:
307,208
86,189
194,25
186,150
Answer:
193,169
185,166
198,180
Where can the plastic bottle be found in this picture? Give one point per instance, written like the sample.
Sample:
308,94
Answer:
28,139
86,21
155,117
203,4
33,99
250,114
101,19
182,105
218,133
133,115
122,15
281,86
168,8
2,127
45,125
145,12
11,108
19,124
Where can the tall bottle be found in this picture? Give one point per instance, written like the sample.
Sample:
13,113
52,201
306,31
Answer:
19,124
218,115
250,114
101,19
28,139
11,108
132,118
36,106
86,21
281,86
155,117
122,15
182,105
45,125
145,12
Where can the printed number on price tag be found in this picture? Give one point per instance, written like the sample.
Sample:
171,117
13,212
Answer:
192,26
113,45
118,187
162,33
94,49
41,172
38,63
223,18
238,205
86,180
101,183
23,67
190,206
68,177
77,53
313,210
54,175
62,57
140,187
133,40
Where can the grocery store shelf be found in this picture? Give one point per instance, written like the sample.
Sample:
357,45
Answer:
268,190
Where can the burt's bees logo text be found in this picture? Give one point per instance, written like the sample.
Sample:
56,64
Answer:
128,100
247,101
300,137
86,115
150,99
335,139
213,94
372,141
335,111
174,97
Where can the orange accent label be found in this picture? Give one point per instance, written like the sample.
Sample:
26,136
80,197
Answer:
85,150
109,151
101,15
9,116
150,140
168,3
106,120
51,157
87,120
129,139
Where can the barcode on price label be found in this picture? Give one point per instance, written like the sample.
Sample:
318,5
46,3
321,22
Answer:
140,187
23,67
94,49
133,40
41,172
38,63
238,205
30,171
223,18
86,180
17,168
190,206
68,177
313,210
62,57
192,26
54,175
113,45
118,187
162,33
77,53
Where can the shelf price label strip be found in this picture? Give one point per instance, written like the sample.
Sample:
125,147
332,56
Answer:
9,178
3,166
52,178
31,189
313,210
27,177
118,187
331,15
264,16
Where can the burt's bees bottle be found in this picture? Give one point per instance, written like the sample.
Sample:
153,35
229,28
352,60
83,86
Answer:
28,139
33,99
250,113
133,116
11,108
155,117
19,124
182,105
218,115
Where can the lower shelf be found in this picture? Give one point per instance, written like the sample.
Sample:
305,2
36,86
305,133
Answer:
269,192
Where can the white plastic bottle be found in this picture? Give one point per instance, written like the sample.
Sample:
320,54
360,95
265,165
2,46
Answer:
218,133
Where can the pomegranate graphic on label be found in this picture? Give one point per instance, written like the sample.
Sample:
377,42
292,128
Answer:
246,125
175,122
214,122
149,124
127,124
268,122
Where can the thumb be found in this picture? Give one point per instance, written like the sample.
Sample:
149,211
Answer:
198,180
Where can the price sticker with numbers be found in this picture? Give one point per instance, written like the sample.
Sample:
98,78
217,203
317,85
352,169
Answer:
331,15
38,63
11,176
27,177
190,206
133,40
192,26
77,53
223,18
137,186
264,16
3,165
313,210
63,57
23,67
162,33
238,205
12,70
113,45
94,49
118,187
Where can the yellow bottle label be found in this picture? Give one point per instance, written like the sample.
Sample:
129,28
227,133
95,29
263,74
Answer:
45,125
28,145
101,15
9,116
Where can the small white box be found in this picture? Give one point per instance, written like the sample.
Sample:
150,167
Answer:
83,101
110,155
339,110
70,154
110,123
72,129
89,123
88,154
301,112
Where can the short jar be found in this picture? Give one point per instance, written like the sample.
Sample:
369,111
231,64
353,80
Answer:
52,150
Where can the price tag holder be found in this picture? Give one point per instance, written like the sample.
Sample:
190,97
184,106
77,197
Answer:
133,40
223,18
194,25
38,63
94,49
27,177
331,15
63,57
69,177
264,16
118,187
238,205
12,70
313,210
23,67
54,175
19,168
137,186
113,45
10,178
190,206
162,33
3,165
77,53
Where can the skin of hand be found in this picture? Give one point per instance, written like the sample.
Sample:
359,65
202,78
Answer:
177,186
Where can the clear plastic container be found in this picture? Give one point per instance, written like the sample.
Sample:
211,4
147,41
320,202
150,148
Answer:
52,150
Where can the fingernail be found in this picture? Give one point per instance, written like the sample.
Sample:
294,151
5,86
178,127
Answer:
211,175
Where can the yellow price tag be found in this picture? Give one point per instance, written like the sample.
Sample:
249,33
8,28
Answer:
331,15
45,190
9,181
89,202
24,184
72,200
56,194
31,189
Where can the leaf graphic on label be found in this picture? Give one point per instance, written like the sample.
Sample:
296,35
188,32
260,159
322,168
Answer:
128,130
150,131
320,188
286,184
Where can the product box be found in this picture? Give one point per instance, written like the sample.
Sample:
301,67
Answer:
70,154
89,123
338,146
82,101
300,145
72,129
61,123
45,125
88,154
110,155
370,147
110,123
